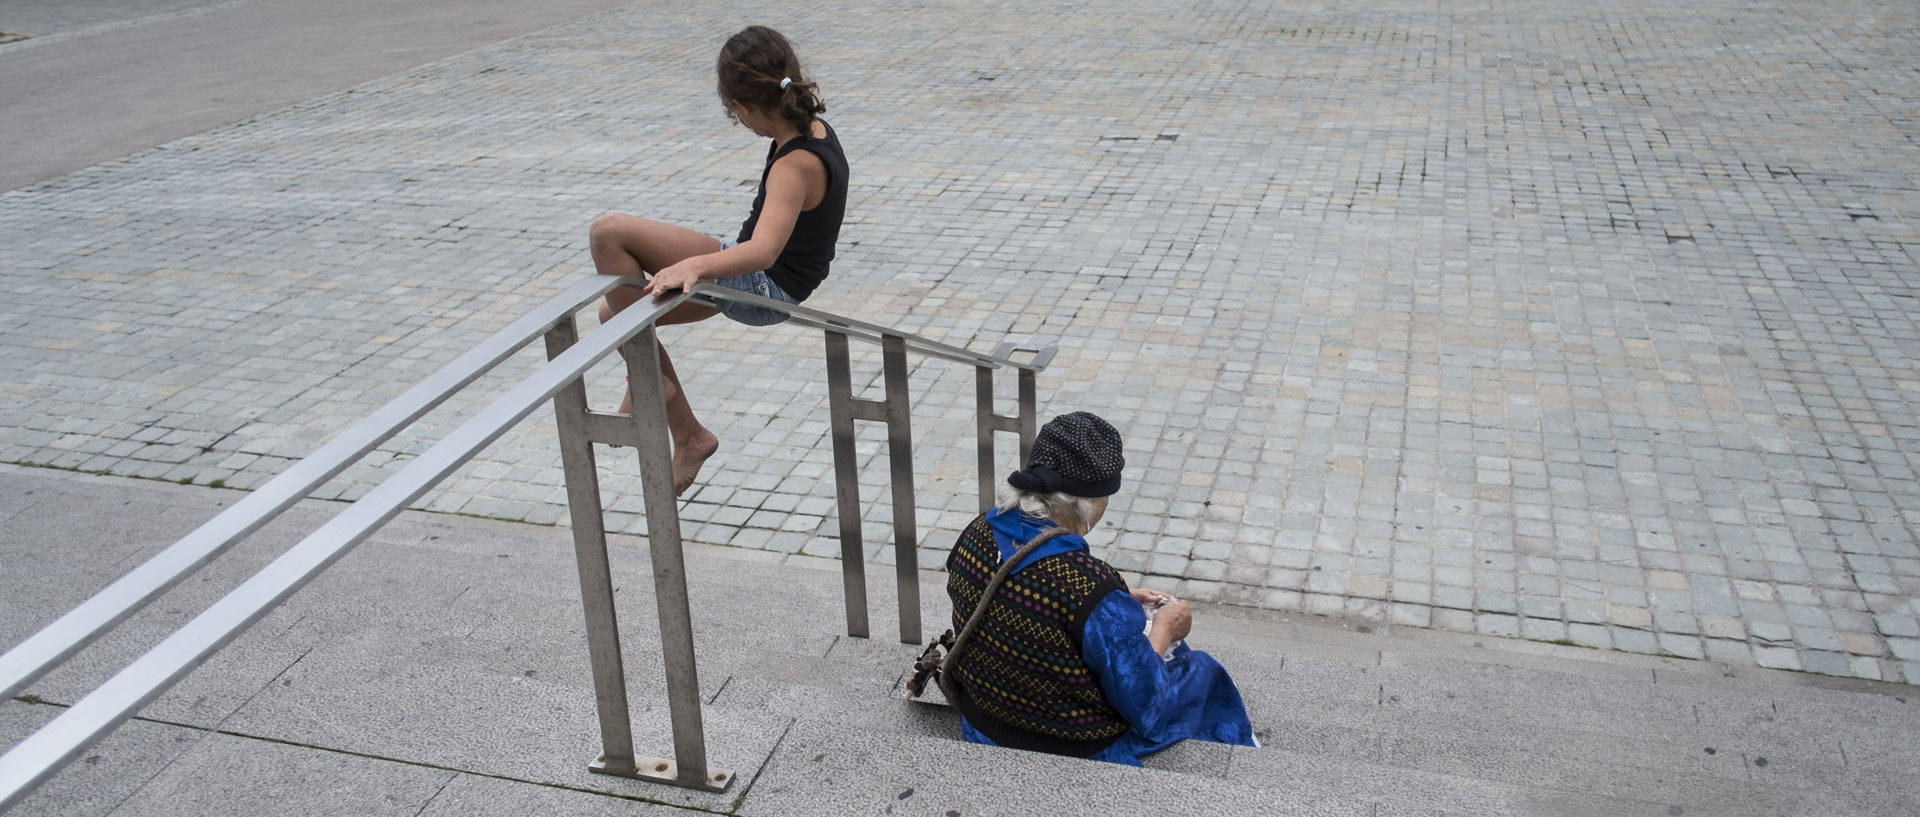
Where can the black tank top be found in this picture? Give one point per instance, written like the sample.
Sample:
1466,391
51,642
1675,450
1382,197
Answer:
802,264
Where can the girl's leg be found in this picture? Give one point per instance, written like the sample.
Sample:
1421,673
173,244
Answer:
625,245
692,442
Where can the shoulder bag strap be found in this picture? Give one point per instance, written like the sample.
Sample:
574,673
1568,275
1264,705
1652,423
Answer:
948,686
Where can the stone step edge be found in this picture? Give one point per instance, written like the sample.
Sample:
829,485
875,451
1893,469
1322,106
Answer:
1369,642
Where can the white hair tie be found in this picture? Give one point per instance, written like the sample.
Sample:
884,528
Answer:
784,82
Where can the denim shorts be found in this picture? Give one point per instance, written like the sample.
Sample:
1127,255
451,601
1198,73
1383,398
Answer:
756,283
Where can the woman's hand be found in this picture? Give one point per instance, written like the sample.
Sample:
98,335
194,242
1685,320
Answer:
1145,596
1171,622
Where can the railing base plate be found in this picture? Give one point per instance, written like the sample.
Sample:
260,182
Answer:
661,770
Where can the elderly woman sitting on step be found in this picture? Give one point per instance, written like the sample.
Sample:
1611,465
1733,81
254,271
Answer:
1065,660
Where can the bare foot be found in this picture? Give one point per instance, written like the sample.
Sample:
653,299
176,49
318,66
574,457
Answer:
688,457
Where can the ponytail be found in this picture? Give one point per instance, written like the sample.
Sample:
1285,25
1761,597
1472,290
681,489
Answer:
758,66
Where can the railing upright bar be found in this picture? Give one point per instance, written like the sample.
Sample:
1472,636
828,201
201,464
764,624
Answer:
689,767
1026,421
906,536
1029,420
585,511
1023,421
846,474
59,640
985,423
31,761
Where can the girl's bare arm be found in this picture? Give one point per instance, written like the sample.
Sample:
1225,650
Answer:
795,179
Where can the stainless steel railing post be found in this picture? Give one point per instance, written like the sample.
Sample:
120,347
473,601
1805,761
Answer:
689,766
985,423
898,412
1024,422
590,555
1029,420
846,478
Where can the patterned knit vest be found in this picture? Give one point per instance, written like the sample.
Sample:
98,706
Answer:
1026,685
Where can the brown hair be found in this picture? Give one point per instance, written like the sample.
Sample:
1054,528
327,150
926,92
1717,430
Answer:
751,66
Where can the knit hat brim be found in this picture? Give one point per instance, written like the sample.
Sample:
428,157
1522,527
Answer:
1078,454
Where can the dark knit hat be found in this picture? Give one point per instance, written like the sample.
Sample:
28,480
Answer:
1076,453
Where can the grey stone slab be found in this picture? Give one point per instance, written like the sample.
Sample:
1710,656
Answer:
227,679
1823,727
61,558
1195,757
823,769
1448,693
225,774
511,694
478,796
927,717
1533,759
1313,776
501,724
1807,752
1340,694
104,776
1447,696
1541,735
1676,759
1307,733
1262,634
462,707
1529,656
1542,802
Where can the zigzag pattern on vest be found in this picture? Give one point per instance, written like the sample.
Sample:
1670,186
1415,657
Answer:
1023,666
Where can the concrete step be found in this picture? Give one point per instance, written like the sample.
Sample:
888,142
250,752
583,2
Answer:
456,646
827,768
1477,730
1486,771
832,769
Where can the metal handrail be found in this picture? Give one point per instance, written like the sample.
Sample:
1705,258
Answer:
645,429
710,295
57,743
30,762
27,661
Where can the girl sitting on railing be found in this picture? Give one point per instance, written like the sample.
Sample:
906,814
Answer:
785,245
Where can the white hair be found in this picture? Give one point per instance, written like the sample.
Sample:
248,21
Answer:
1066,510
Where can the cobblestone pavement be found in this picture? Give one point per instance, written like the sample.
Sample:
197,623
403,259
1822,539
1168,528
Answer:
1582,321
